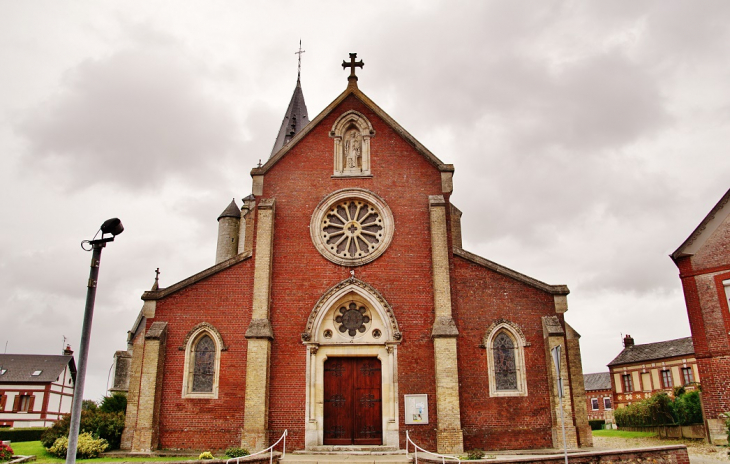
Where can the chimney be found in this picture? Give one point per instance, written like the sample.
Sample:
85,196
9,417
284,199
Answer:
68,351
628,341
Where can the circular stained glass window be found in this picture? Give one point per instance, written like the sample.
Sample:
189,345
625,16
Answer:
352,319
352,227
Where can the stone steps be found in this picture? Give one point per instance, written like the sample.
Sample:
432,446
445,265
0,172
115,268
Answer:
345,458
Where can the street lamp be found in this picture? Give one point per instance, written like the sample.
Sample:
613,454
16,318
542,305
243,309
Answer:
111,228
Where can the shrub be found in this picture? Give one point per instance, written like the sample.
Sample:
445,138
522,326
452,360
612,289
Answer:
6,452
234,452
108,426
117,402
687,408
660,409
596,424
87,447
206,455
24,434
474,454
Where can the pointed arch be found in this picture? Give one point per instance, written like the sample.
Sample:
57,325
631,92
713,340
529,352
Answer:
363,290
351,133
504,342
203,346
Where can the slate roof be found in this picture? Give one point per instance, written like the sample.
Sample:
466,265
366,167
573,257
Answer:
20,367
597,381
295,119
654,351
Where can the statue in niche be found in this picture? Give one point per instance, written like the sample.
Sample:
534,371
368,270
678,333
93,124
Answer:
353,151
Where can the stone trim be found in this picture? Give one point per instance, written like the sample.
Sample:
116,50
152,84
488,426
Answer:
318,216
260,328
516,334
338,133
191,340
444,326
365,290
552,289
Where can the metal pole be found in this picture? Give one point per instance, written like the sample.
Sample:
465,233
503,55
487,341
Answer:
73,432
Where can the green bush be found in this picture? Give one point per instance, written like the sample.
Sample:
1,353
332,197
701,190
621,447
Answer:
6,452
206,455
25,434
597,424
687,408
234,452
660,409
117,402
87,447
108,426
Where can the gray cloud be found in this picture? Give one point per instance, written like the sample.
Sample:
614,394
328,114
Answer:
133,118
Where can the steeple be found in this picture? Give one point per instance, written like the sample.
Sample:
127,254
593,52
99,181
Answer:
296,116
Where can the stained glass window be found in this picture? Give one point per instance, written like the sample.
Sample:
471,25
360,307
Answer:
204,365
505,367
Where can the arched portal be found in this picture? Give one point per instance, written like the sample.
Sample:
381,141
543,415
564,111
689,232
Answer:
351,331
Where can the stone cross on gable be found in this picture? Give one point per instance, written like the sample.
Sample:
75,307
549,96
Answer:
352,64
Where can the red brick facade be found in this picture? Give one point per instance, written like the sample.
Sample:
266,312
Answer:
704,266
404,178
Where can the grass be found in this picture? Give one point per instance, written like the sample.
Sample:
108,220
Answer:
622,434
42,456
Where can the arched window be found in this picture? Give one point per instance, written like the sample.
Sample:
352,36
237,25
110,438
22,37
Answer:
203,346
203,365
504,343
505,368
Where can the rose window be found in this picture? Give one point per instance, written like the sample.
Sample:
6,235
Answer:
352,319
352,227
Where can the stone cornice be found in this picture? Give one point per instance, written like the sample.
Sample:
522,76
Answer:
164,292
552,289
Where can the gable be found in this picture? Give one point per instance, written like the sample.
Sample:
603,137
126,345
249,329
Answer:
336,106
715,221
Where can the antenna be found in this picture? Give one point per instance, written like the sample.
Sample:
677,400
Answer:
299,66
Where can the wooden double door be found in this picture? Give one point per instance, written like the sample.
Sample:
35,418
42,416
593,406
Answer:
353,406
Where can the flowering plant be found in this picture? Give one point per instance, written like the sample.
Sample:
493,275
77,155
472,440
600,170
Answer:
6,452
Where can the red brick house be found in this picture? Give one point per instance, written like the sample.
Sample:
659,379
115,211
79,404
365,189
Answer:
704,268
35,389
343,308
641,371
599,396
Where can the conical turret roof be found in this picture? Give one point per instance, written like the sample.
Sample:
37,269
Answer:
231,210
294,120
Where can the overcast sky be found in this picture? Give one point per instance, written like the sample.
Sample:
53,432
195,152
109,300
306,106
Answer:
589,138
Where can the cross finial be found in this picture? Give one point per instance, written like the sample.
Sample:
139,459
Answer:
352,65
157,275
299,66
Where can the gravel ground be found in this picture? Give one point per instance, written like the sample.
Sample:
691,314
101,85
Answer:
699,452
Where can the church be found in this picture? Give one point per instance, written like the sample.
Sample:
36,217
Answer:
343,309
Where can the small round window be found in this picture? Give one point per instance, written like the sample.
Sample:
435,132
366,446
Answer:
352,227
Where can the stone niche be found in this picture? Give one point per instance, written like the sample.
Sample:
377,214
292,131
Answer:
352,133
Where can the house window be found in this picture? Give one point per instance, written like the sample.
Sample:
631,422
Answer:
594,404
25,403
203,348
666,378
607,402
687,375
3,398
505,358
628,384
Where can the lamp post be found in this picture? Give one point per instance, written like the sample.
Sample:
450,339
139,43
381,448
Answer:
111,227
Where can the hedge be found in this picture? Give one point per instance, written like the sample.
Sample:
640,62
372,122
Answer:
26,434
596,424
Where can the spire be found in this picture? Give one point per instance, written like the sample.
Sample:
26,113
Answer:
296,116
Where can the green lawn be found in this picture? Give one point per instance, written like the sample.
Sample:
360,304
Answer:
622,434
42,456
